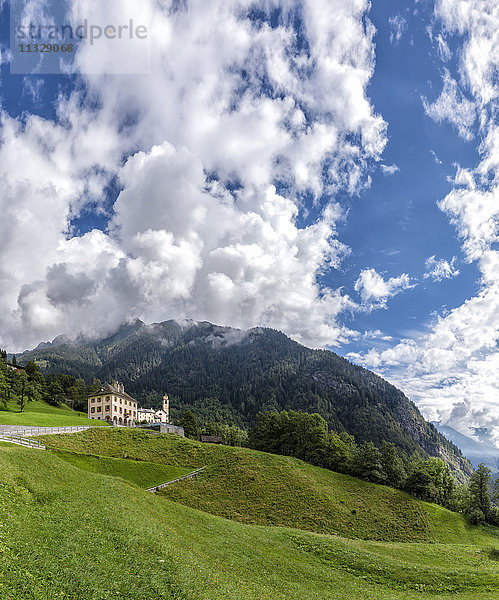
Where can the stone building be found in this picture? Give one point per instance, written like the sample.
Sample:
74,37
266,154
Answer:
158,428
112,404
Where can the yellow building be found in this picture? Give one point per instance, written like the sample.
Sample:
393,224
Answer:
149,415
112,404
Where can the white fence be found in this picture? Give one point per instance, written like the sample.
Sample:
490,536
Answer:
33,431
156,488
21,441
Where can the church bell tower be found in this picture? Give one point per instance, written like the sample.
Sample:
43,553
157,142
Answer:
166,407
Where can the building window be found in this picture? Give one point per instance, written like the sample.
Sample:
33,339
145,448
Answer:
92,409
121,410
93,399
99,408
107,399
108,408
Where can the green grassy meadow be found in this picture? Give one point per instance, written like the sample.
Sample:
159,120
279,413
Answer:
40,414
265,489
67,532
143,474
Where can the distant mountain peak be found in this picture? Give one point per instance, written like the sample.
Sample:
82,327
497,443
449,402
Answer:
476,450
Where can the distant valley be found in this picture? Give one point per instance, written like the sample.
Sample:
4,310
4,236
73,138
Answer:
476,451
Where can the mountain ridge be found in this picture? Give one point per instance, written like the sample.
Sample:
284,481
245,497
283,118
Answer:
476,451
229,375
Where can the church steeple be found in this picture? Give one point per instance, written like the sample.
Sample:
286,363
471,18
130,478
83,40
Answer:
166,407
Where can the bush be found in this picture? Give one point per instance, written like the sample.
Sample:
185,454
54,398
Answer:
477,517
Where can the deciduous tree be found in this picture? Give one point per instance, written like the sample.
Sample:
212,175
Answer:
480,502
368,464
26,390
393,465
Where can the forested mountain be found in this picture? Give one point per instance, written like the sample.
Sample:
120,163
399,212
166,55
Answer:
228,375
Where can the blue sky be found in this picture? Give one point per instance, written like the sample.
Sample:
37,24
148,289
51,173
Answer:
327,168
396,224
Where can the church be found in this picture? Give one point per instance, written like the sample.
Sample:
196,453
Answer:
112,404
149,415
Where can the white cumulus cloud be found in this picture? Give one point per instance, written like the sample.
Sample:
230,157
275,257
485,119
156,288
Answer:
214,151
375,291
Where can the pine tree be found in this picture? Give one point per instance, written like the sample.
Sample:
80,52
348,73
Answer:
190,425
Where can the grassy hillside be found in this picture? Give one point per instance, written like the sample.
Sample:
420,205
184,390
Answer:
144,474
228,375
70,534
264,489
41,414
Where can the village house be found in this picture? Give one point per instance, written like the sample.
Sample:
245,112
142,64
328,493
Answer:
13,367
112,404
